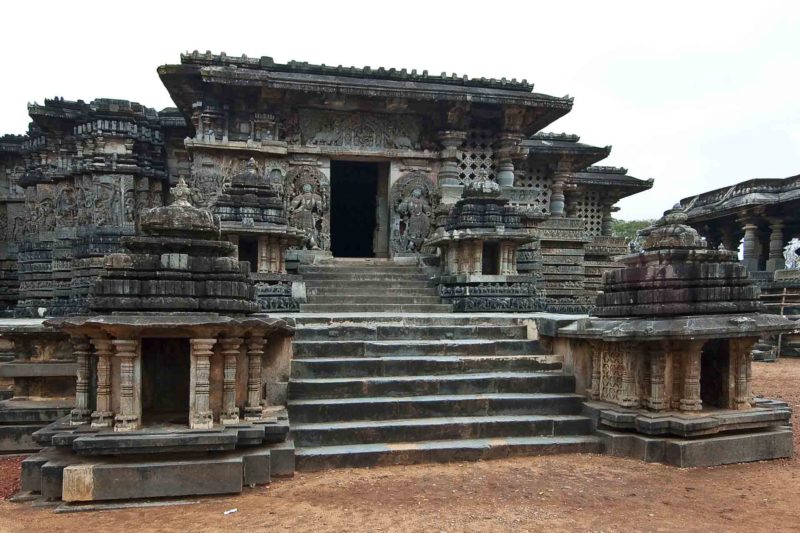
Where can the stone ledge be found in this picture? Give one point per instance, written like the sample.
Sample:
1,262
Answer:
40,369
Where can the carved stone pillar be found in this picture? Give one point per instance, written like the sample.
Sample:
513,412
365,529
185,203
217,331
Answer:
263,254
690,399
80,348
658,398
230,353
608,220
596,347
200,415
103,417
127,419
452,258
476,257
775,261
508,264
560,178
750,252
741,366
282,255
255,350
504,149
451,141
629,395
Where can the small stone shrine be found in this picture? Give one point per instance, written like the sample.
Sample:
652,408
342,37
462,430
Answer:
666,357
169,373
478,244
253,216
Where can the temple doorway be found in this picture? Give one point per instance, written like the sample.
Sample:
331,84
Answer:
714,371
165,381
358,207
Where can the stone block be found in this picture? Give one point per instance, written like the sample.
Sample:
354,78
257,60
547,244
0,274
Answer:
282,461
256,467
152,479
18,438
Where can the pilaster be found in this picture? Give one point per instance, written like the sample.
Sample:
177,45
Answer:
255,350
200,415
103,416
230,353
129,416
81,413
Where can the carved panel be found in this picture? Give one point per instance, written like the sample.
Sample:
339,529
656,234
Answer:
361,130
308,191
413,199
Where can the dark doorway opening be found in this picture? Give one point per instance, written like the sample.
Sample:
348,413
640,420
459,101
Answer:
714,363
354,189
165,381
491,259
248,251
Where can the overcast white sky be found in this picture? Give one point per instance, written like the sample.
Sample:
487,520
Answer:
695,94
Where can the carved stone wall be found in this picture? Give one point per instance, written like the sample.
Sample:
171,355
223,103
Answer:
359,130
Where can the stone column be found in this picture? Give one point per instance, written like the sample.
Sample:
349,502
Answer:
741,365
230,353
750,252
80,348
476,257
608,220
504,148
658,398
200,415
103,417
450,141
255,349
690,399
282,255
597,356
629,395
775,261
452,258
263,254
557,188
127,418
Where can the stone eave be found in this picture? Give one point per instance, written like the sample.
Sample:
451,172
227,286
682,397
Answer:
622,182
679,327
741,196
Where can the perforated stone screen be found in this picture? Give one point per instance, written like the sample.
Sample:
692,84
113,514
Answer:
537,179
475,153
589,208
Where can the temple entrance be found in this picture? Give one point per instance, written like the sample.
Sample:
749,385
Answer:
248,251
714,361
357,190
165,381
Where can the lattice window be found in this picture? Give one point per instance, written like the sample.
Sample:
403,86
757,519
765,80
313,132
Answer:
589,207
536,178
475,154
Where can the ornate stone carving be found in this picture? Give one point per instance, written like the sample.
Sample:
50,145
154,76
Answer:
363,130
413,199
309,193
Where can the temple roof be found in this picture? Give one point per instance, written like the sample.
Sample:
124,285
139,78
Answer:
741,196
561,145
612,177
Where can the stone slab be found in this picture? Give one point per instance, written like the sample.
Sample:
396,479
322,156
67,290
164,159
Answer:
37,369
18,438
152,479
282,458
256,467
775,443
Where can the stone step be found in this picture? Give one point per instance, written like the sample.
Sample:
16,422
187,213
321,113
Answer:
359,299
409,319
447,384
394,407
367,284
356,269
383,290
422,429
458,347
376,308
364,455
366,276
434,365
364,332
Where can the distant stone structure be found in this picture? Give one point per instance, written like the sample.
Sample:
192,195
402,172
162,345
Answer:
758,217
669,340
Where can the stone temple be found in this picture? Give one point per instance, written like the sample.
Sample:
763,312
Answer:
304,267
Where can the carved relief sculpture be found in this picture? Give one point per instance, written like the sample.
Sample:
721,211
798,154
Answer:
308,191
413,198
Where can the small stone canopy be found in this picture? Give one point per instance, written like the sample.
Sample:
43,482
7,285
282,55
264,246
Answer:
177,281
673,329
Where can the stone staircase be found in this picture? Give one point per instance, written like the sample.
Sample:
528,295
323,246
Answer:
367,286
399,388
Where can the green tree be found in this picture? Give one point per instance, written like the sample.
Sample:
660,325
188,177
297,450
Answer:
628,228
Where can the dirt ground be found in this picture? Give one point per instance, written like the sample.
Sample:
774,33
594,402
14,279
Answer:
569,492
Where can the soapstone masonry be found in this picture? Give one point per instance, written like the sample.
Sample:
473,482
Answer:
305,267
667,350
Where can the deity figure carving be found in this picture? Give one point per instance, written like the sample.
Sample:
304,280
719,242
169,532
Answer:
66,206
308,193
413,199
305,213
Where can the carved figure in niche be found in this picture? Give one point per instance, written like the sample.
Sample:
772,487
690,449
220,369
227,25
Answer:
416,217
66,206
18,232
306,212
275,181
45,215
413,198
102,206
308,193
